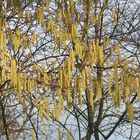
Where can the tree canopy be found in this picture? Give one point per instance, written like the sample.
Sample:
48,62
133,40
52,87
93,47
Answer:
69,65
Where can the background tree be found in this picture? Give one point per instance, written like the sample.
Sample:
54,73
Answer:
70,66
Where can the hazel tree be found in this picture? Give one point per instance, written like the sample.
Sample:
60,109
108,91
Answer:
78,58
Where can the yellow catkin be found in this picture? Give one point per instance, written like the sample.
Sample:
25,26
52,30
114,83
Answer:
13,72
117,98
99,90
3,75
56,113
65,79
118,51
41,16
68,135
71,5
41,113
35,85
29,85
75,30
124,74
60,78
64,40
130,112
77,47
62,104
90,49
50,24
83,79
19,85
63,13
117,91
69,72
45,77
117,48
116,74
41,110
69,68
138,92
16,40
114,16
94,59
68,19
99,18
81,51
16,43
106,41
91,78
59,92
33,38
1,38
105,4
24,103
100,55
59,134
72,30
36,13
91,100
138,87
44,129
68,96
33,134
47,4
91,54
127,91
25,41
3,60
93,20
55,37
17,33
10,35
4,42
72,55
24,84
47,108
60,107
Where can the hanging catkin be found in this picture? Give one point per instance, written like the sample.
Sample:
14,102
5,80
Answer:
91,100
13,72
83,79
60,79
33,134
130,112
59,134
56,113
